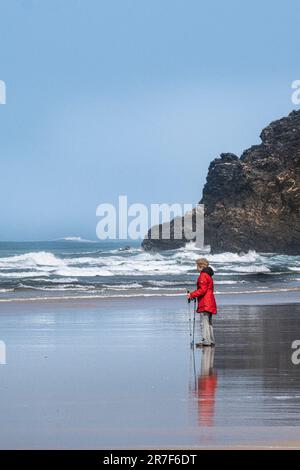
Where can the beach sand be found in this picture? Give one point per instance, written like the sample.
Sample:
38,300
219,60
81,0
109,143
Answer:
119,373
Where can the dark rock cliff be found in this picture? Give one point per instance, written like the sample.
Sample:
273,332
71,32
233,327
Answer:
253,202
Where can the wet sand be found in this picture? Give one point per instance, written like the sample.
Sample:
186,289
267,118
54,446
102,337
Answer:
120,374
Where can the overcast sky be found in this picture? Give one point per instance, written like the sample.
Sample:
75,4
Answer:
131,97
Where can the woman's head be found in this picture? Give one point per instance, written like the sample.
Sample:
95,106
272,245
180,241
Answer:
202,263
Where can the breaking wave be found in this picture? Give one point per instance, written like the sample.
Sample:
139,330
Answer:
123,270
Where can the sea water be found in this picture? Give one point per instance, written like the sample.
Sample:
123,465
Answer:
77,268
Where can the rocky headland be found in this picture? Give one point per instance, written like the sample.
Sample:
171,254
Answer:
252,202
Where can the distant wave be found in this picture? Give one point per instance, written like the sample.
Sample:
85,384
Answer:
75,239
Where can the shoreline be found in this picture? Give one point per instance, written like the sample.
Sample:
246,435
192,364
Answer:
267,297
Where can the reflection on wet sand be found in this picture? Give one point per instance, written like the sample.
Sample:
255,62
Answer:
204,386
121,374
206,390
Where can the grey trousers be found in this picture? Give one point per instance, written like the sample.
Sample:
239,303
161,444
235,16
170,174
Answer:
207,328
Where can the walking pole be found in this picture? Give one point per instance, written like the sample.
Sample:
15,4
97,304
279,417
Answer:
194,370
190,320
194,320
192,335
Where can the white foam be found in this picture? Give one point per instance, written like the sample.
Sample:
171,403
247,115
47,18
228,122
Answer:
286,397
166,289
249,269
261,291
58,280
67,287
133,285
190,255
30,260
23,274
82,272
228,257
227,282
166,283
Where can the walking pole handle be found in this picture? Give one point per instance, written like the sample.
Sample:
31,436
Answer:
189,300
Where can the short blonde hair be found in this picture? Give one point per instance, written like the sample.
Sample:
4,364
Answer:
202,263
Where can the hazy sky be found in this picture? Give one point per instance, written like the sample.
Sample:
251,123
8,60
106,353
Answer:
131,97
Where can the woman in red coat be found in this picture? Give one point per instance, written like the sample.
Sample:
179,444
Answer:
206,301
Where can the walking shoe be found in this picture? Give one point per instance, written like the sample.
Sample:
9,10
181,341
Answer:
199,345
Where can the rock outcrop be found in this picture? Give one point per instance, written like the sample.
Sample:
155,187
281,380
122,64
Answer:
253,202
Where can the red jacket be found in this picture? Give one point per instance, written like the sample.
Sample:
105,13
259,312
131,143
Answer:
205,293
